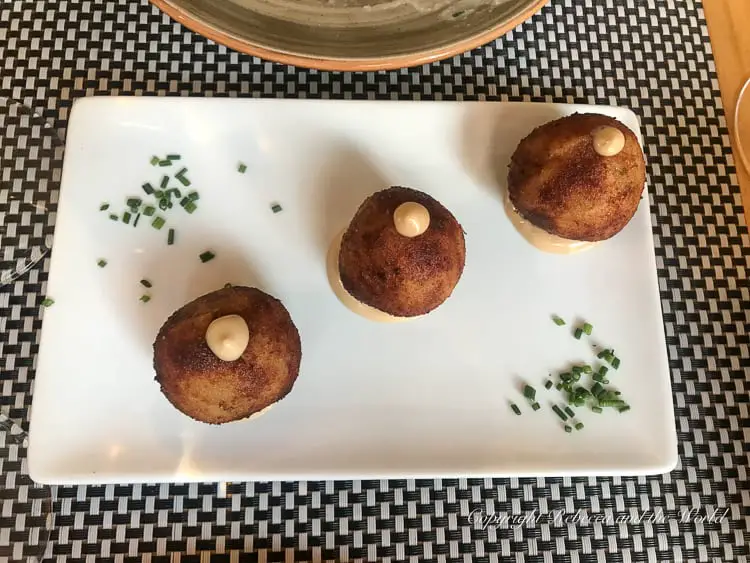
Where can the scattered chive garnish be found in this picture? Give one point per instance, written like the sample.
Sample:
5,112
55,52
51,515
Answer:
148,188
535,406
587,369
241,168
146,283
126,217
569,412
155,160
597,389
515,408
587,328
193,196
158,223
576,369
276,208
624,408
173,157
207,256
568,429
113,217
104,207
174,191
137,218
615,362
596,409
578,333
145,298
189,207
529,392
165,162
47,302
603,370
133,202
559,386
559,412
558,321
548,384
101,262
602,353
170,237
579,425
577,376
164,182
149,210
163,204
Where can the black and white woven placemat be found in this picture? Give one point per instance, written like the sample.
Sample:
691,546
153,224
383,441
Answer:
653,57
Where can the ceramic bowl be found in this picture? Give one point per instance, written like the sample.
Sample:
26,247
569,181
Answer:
351,35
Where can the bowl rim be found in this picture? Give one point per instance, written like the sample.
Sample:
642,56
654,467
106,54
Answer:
393,62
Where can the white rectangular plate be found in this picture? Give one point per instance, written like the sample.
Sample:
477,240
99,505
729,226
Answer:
423,398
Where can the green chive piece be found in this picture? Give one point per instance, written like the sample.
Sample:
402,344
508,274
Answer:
155,160
276,208
616,393
158,194
548,384
597,377
568,429
602,353
149,210
137,218
145,298
529,392
114,217
207,256
101,262
624,408
559,412
241,168
47,302
559,386
566,377
597,409
558,321
597,389
578,333
126,217
184,181
174,157
133,202
158,223
163,204
576,376
587,369
604,381
615,363
146,283
165,163
603,370
104,207
190,207
193,196
569,412
515,408
576,369
536,406
170,237
174,191
148,188
579,425
587,328
164,182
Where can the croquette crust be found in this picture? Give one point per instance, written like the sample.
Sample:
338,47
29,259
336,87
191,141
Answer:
402,276
211,390
559,183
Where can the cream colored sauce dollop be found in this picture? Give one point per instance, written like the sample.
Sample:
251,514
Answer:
356,306
227,337
540,238
411,219
608,141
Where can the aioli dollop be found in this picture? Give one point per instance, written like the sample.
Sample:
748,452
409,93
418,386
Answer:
227,337
411,219
608,141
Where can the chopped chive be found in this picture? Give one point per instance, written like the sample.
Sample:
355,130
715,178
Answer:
604,381
164,182
155,160
609,357
104,207
126,217
47,302
597,389
158,194
569,412
241,168
576,369
603,370
174,157
615,362
158,223
137,218
163,204
602,353
174,191
587,328
558,321
577,376
559,412
515,408
276,208
597,377
170,237
207,256
568,429
587,369
184,181
165,162
623,408
193,196
529,392
579,425
578,333
145,298
190,207
149,210
548,384
559,386
616,393
148,188
101,262
146,283
566,377
536,406
114,217
133,202
597,409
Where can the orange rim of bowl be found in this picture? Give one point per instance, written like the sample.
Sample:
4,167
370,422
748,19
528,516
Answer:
344,65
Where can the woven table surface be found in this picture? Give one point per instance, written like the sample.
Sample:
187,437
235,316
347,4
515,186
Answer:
653,57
